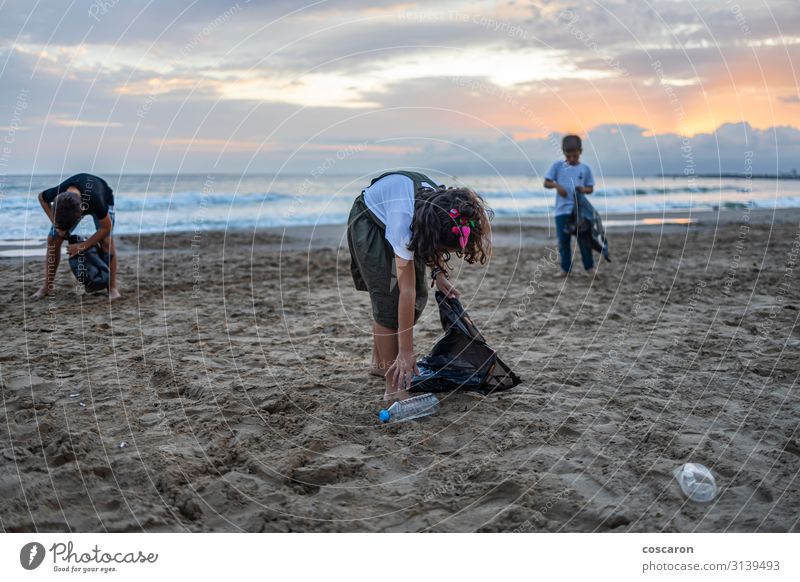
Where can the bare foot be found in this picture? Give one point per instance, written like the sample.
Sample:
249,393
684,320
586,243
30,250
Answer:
42,292
561,274
395,395
375,368
592,274
113,294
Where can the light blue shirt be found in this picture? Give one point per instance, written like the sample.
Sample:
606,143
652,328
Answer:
569,177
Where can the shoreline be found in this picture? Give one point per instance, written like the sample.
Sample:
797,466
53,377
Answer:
300,237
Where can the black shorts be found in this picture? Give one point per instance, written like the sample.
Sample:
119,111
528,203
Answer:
372,264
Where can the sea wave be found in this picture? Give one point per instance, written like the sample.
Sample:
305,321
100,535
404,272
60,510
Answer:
622,191
161,201
171,204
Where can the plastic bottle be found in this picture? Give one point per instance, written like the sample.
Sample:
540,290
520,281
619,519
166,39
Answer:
696,482
411,408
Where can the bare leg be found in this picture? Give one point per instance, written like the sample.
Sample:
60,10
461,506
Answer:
52,259
108,245
387,348
385,340
375,366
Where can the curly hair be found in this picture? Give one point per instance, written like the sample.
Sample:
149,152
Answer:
432,236
67,210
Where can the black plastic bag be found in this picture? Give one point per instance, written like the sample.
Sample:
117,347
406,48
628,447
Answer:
90,267
461,359
586,219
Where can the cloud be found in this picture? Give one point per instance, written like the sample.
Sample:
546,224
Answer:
219,79
67,121
626,150
213,145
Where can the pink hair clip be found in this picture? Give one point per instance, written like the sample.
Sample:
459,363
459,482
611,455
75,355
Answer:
462,230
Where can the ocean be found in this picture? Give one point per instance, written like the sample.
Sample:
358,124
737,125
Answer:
192,202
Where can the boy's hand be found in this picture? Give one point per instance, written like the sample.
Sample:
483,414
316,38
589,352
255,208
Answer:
561,191
579,189
74,249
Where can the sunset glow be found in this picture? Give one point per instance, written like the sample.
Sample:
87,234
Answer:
253,79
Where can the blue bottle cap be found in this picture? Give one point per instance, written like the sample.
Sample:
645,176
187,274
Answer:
384,415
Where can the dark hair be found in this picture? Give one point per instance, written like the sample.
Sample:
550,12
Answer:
571,143
432,236
67,210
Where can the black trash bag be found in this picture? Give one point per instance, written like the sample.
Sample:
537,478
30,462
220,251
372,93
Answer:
586,219
461,360
90,267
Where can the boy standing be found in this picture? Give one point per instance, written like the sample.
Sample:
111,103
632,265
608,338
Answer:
569,177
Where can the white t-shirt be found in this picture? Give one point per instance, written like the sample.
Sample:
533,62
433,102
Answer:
391,200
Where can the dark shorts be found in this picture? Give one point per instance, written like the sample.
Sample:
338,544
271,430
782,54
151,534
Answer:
53,232
372,264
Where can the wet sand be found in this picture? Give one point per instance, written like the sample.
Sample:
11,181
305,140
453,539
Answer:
228,390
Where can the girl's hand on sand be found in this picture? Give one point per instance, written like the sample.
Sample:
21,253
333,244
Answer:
444,285
74,249
401,371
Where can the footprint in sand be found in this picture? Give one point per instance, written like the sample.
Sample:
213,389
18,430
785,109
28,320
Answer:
312,477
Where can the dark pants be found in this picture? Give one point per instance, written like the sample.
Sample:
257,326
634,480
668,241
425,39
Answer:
565,245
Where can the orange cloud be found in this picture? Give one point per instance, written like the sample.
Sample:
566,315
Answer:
213,144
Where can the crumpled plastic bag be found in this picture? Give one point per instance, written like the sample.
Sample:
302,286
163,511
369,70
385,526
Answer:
91,267
461,359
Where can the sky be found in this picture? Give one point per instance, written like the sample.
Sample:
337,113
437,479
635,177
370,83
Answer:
345,86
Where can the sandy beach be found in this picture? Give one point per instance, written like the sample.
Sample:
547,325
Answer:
227,390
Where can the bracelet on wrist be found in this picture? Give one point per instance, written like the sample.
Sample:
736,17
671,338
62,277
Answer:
435,272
